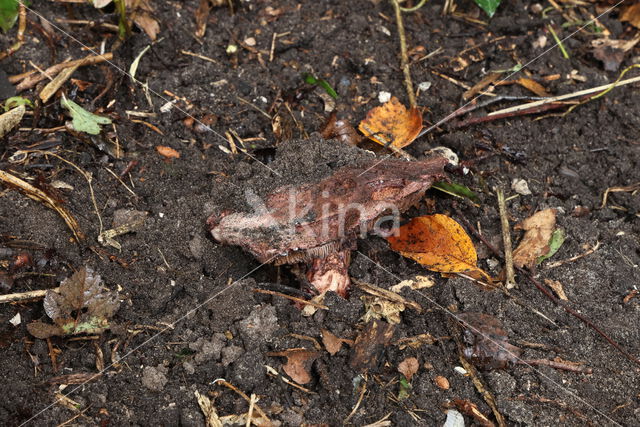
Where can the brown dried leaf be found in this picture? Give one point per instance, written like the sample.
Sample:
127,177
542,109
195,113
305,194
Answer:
557,288
141,12
415,342
332,343
381,308
533,86
299,362
340,130
612,52
488,346
631,14
81,305
369,344
167,152
392,123
535,243
408,367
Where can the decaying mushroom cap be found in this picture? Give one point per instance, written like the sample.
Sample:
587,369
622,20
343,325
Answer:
309,221
312,221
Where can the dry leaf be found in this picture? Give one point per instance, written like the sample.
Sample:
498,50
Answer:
612,52
392,123
81,305
340,130
440,244
533,86
299,362
557,288
408,367
381,308
415,342
419,282
369,345
478,87
141,12
167,152
487,341
631,14
535,243
332,343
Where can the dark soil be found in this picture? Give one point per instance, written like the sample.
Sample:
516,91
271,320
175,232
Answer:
170,272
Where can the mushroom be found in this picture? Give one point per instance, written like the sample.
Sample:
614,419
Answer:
318,224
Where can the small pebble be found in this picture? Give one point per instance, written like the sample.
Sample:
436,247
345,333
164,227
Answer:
442,382
520,186
384,97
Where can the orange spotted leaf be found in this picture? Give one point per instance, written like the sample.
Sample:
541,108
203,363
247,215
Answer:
440,244
392,123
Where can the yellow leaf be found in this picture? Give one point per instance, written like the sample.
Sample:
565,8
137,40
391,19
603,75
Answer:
631,15
440,244
391,123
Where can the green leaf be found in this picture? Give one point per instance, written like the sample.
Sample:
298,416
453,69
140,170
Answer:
16,101
557,239
8,14
84,121
312,80
489,6
457,190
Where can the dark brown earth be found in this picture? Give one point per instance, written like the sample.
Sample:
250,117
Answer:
171,272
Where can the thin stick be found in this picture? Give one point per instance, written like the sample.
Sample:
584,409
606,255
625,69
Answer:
510,282
292,298
32,79
404,58
566,96
244,396
23,296
40,196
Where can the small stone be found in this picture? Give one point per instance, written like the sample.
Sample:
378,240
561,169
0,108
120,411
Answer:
384,96
196,246
188,368
250,41
520,186
460,370
424,86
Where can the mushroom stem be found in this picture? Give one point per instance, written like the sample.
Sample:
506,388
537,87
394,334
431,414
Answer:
331,272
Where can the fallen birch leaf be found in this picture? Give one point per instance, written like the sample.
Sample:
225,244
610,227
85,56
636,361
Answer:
408,367
631,14
391,123
438,243
557,239
535,243
299,362
167,152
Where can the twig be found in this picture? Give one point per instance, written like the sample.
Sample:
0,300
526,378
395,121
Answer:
404,57
31,80
244,396
23,296
40,196
550,295
357,405
565,366
565,54
510,282
292,298
477,382
574,258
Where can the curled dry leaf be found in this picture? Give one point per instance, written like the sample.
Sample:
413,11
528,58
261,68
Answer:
533,86
141,12
381,308
487,341
535,243
82,305
631,14
612,52
440,244
340,130
298,364
333,343
408,367
392,123
167,152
